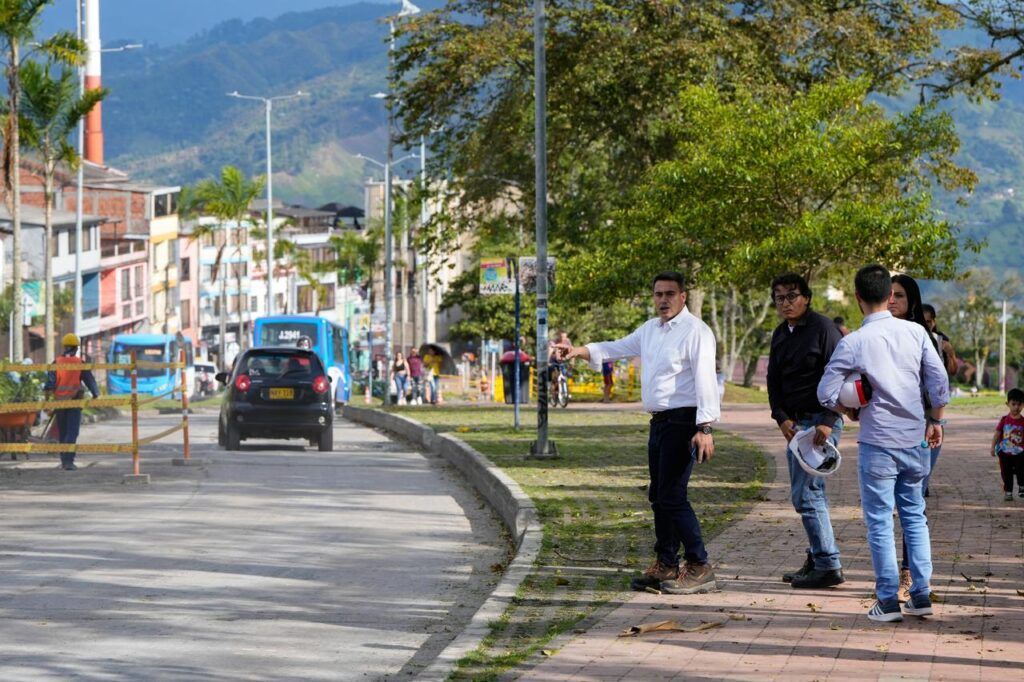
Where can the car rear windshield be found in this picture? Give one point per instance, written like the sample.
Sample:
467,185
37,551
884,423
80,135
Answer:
298,366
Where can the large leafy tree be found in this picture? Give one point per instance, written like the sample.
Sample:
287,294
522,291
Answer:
806,183
52,109
18,21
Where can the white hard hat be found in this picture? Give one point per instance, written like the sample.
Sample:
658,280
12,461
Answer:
817,460
856,391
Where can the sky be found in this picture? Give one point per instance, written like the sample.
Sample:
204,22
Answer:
168,22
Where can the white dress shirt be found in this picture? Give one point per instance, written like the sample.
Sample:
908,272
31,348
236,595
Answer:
902,364
677,360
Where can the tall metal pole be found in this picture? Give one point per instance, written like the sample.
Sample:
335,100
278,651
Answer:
270,217
389,286
423,221
518,366
1002,353
80,182
542,447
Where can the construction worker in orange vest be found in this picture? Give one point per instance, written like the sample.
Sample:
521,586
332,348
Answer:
66,384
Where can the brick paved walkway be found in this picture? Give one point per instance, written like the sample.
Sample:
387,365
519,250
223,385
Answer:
773,632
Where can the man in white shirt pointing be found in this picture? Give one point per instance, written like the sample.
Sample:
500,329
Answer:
680,390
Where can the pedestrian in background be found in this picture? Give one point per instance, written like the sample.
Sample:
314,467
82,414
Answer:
896,433
400,371
678,388
66,384
415,363
840,324
801,346
1008,445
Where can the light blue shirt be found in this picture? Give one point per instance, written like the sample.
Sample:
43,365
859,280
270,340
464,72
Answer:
901,363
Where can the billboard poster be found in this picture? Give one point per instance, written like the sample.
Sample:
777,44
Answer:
494,277
528,274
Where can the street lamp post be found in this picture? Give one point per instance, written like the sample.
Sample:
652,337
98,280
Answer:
542,447
408,9
268,105
389,263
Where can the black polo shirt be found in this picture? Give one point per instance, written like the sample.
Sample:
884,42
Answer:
795,365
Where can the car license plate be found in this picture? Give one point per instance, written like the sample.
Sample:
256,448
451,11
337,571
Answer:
282,394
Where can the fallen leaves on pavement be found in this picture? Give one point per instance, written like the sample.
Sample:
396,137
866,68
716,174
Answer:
668,626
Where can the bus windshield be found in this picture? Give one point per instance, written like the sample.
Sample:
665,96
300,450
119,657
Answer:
286,333
122,354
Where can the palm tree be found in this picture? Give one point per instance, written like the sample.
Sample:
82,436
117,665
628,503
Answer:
18,20
227,200
52,111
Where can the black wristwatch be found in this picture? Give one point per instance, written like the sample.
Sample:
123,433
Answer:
705,429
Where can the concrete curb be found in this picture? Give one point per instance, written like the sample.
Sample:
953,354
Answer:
512,505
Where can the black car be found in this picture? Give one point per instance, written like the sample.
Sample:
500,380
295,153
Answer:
276,393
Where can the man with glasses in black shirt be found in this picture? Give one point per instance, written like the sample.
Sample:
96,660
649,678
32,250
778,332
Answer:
801,347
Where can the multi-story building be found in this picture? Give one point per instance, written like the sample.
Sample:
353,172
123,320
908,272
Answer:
62,255
225,289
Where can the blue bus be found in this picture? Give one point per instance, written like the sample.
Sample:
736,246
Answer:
328,340
151,348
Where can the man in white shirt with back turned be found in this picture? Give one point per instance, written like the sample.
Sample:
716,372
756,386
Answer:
680,390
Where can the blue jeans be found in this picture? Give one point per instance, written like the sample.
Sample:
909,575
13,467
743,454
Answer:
924,487
671,461
401,382
807,493
892,477
69,422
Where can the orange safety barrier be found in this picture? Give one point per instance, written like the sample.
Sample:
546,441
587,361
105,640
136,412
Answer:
107,401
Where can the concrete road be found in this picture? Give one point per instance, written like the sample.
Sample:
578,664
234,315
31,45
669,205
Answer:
274,563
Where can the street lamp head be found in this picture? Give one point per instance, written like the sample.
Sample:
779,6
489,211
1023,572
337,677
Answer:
408,9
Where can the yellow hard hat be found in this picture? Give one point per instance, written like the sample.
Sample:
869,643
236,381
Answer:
70,340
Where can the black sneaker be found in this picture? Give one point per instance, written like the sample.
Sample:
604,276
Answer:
803,570
816,578
919,605
886,612
69,467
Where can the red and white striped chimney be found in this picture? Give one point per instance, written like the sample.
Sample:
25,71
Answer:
93,81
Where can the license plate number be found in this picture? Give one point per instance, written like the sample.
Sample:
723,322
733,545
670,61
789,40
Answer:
282,394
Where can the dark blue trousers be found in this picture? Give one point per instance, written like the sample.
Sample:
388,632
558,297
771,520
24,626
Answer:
671,463
69,422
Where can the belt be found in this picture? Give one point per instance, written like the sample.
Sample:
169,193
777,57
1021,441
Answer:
678,412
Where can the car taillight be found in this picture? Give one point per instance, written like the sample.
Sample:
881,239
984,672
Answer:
320,384
242,382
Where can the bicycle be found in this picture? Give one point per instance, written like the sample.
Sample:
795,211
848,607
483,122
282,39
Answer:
558,392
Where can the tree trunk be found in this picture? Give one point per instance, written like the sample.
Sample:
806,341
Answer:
750,371
695,301
48,330
979,368
14,143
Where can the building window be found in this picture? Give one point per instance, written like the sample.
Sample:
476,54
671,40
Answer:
216,307
126,310
138,281
126,285
165,204
186,314
69,237
306,299
140,306
185,269
254,303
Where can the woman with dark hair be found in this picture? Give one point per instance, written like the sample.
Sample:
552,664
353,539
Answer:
905,304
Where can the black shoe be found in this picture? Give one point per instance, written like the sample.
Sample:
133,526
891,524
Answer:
802,571
816,578
69,467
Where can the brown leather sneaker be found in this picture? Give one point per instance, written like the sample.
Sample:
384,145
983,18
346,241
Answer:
655,574
904,592
694,579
